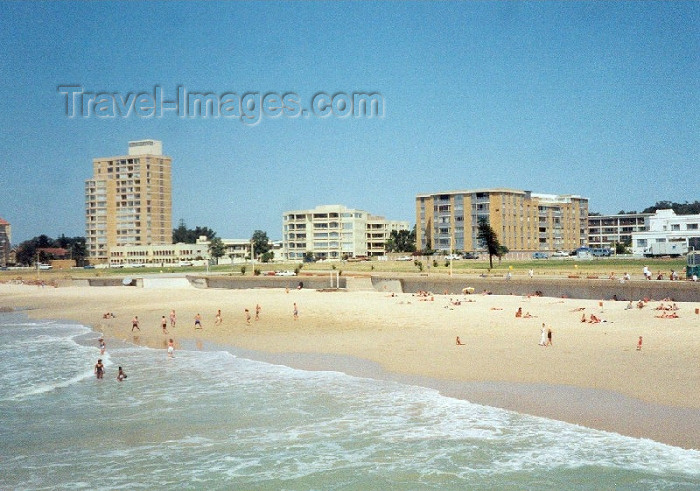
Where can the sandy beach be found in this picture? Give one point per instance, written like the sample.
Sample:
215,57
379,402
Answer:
592,374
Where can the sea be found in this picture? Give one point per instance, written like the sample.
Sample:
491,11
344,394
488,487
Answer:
210,419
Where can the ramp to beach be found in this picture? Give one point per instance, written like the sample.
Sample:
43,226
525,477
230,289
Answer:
359,284
166,283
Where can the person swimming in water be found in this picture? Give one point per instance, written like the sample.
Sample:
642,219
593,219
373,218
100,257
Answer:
121,375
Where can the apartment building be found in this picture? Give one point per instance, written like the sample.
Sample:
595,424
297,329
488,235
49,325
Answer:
523,220
335,232
667,234
128,200
5,242
604,231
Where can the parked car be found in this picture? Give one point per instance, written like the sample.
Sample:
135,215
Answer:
600,252
404,258
560,254
285,273
540,255
453,257
471,255
44,266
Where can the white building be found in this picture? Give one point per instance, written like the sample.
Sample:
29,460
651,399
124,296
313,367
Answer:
667,234
158,255
238,250
335,232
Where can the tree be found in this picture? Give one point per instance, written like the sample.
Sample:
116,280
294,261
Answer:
190,236
216,248
402,241
679,208
261,244
487,235
268,256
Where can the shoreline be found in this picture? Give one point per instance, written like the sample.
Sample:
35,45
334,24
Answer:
402,339
591,408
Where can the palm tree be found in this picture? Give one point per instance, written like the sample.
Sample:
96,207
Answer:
487,235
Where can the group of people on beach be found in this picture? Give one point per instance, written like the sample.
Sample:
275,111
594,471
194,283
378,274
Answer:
100,367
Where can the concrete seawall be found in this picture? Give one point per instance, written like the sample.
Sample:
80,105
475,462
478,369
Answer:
594,289
241,282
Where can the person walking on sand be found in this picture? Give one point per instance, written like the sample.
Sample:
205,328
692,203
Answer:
135,323
121,375
171,348
164,324
549,337
197,321
99,369
639,344
257,312
296,311
218,320
543,336
173,318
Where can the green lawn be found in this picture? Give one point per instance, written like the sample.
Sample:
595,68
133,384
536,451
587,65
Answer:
601,267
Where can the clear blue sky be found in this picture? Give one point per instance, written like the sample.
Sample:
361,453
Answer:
599,99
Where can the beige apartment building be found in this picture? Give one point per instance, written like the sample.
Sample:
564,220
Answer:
524,221
128,200
335,232
5,242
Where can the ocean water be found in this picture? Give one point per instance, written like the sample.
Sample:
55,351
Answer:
211,420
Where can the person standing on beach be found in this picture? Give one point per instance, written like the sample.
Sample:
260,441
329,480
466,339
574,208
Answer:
135,323
99,369
639,344
197,321
258,308
296,311
247,316
549,337
164,324
217,319
543,336
173,319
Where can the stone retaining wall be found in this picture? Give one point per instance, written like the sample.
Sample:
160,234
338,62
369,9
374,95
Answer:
680,291
241,282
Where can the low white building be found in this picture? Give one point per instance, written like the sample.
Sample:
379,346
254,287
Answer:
238,251
157,255
667,234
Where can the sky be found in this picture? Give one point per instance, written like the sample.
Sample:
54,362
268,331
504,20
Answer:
597,99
